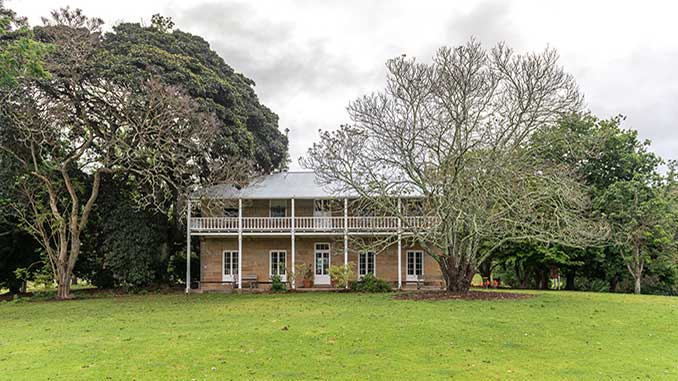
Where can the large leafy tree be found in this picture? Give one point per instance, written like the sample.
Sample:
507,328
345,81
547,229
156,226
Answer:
21,56
202,122
65,132
643,222
604,156
456,134
248,129
126,246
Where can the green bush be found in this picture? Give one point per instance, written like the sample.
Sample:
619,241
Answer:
124,246
277,284
342,274
370,283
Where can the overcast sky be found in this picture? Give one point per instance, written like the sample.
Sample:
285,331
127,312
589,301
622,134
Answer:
310,58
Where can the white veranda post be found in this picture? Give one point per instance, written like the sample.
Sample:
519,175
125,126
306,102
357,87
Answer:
400,246
345,232
292,246
188,246
240,243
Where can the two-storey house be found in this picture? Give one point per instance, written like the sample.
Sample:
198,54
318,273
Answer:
278,221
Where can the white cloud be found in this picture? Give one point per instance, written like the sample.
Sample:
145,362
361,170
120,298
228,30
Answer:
310,58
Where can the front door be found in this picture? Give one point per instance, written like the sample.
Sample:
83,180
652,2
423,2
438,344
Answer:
415,266
322,214
322,264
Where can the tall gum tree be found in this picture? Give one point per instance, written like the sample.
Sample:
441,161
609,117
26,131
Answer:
454,135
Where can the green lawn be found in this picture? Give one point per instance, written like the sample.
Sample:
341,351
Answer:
340,336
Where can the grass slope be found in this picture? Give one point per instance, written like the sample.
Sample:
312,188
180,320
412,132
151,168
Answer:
340,336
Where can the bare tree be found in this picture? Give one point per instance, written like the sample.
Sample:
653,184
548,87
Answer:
453,139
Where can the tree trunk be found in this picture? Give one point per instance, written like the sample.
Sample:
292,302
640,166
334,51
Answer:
65,271
64,285
636,288
636,269
457,275
521,275
541,278
569,280
613,282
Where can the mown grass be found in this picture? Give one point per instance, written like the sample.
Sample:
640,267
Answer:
340,336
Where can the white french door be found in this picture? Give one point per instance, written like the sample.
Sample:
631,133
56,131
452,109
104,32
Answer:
415,266
278,264
230,261
322,264
322,214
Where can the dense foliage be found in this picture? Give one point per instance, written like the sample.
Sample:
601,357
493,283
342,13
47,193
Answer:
20,54
277,285
629,191
126,247
151,109
249,129
20,57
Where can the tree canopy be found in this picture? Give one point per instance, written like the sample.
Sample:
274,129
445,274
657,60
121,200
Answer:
627,190
456,133
156,106
249,130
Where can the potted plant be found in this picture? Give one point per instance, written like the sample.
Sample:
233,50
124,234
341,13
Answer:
306,272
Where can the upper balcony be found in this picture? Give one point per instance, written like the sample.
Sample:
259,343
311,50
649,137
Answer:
306,225
294,202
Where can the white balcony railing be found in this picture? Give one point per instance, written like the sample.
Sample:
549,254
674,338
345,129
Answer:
307,224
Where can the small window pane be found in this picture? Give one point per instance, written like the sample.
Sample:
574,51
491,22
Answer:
281,263
278,262
278,208
274,263
366,263
230,263
319,265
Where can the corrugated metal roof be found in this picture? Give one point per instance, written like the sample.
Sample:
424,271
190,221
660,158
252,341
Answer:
283,185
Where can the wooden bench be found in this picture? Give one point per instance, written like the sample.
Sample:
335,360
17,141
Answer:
250,279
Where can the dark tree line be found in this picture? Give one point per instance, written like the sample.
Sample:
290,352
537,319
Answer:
630,190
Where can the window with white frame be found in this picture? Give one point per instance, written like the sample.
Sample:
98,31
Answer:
278,263
366,263
230,265
415,264
278,208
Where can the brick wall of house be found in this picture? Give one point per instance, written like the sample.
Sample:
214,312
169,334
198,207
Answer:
256,257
